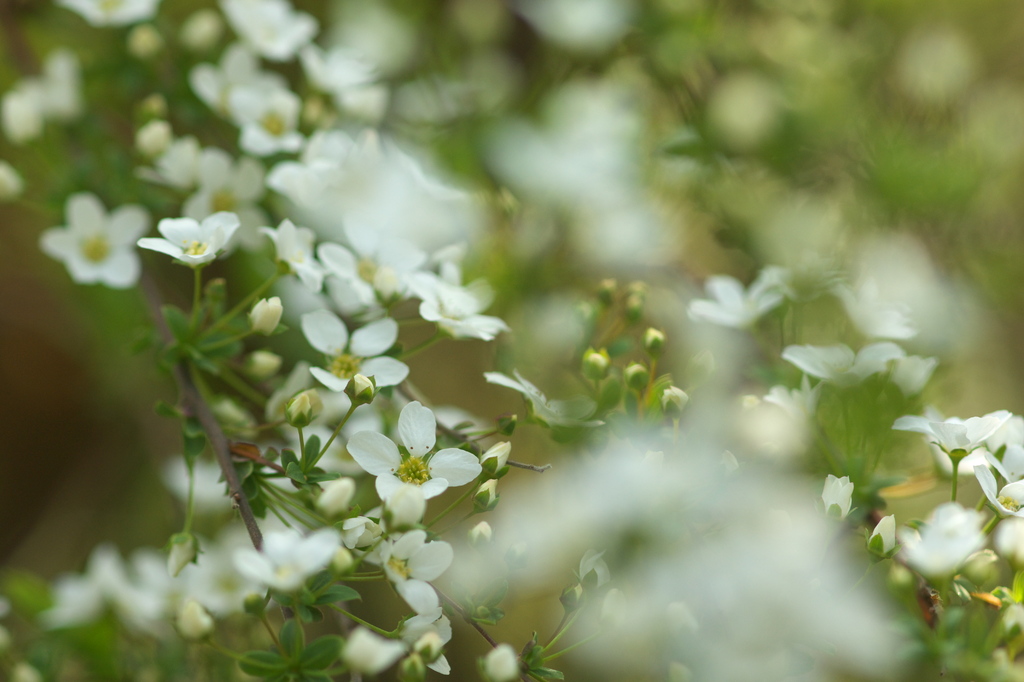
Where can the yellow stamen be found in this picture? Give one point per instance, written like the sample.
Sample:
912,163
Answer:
345,366
399,566
96,248
413,470
223,200
196,248
273,124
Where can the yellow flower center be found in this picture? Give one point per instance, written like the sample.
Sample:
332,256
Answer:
223,200
1008,502
196,248
96,248
110,5
273,124
366,269
399,566
413,470
345,366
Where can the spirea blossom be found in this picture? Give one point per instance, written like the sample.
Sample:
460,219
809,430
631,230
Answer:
193,243
112,12
287,558
359,354
273,28
950,535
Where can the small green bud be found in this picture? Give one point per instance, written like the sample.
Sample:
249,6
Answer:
586,312
507,424
144,42
154,106
610,394
260,365
361,389
486,497
637,376
254,604
654,342
412,669
596,364
606,289
673,400
572,597
303,408
636,300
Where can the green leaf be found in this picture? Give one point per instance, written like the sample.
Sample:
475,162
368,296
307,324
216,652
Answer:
320,581
318,475
336,593
321,653
165,409
547,673
311,453
294,472
262,663
288,457
293,638
309,614
194,440
1018,587
177,321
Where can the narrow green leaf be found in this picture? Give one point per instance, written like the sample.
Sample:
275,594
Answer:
262,663
321,653
312,452
293,638
336,593
177,321
294,472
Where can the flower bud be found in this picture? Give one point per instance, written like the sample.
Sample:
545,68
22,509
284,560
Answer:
266,315
515,556
507,424
606,289
303,408
183,552
21,115
637,376
480,533
336,497
342,561
234,416
412,669
370,654
194,623
883,537
144,41
654,341
596,364
361,389
254,604
201,31
673,400
153,138
636,299
837,496
260,365
501,664
495,460
154,106
586,312
486,497
430,646
11,184
405,508
23,672
981,567
571,597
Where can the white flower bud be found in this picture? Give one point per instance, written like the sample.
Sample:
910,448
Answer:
501,664
1009,541
429,646
202,30
405,507
194,623
21,114
361,389
303,408
837,496
183,551
885,532
480,533
266,315
370,654
260,365
486,496
11,184
673,400
23,672
496,457
342,561
154,138
336,497
144,41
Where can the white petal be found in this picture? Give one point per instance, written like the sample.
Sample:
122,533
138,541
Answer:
374,452
336,384
433,488
161,245
385,370
418,594
416,429
325,331
374,338
387,484
431,560
458,467
987,482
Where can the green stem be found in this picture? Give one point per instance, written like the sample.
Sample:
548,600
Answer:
379,631
244,303
956,465
334,435
563,627
302,444
273,635
421,347
190,504
197,292
569,648
224,650
453,505
225,341
236,382
990,526
364,577
285,498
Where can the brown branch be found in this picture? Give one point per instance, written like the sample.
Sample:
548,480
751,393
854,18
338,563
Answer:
17,46
194,404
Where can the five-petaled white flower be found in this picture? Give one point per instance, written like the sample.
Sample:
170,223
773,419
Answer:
955,434
456,309
951,534
96,247
226,184
1009,500
273,28
239,66
839,364
295,247
376,267
433,472
287,558
268,116
410,562
360,354
112,12
191,242
731,305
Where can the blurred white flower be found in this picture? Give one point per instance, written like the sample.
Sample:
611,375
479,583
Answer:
268,117
55,94
731,305
273,28
1011,467
838,494
201,30
911,373
1008,500
377,268
799,403
338,72
193,621
411,562
456,309
239,67
370,654
416,629
97,247
950,535
839,364
583,25
954,434
287,558
11,182
1009,541
359,354
294,246
214,581
569,413
193,243
177,166
875,316
227,184
116,13
501,664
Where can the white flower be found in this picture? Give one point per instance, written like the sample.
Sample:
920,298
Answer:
838,493
177,166
954,433
501,664
799,403
56,94
1009,500
193,243
378,268
214,581
268,117
592,562
885,531
456,309
95,247
951,534
405,507
427,633
24,672
433,472
238,67
912,373
731,305
112,12
581,25
568,413
194,623
1011,468
370,654
336,497
226,184
1009,541
294,246
360,354
201,30
874,316
336,71
288,558
359,532
410,562
839,364
21,113
270,27
154,138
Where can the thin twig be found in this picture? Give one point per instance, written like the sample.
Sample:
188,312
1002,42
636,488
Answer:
17,45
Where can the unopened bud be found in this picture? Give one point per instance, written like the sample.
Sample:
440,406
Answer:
982,567
153,138
636,299
405,508
361,389
501,664
342,561
336,498
260,365
234,416
202,30
571,597
266,315
194,622
480,533
586,312
673,400
183,552
154,106
11,184
486,497
883,537
303,408
429,646
606,289
495,460
412,669
596,364
507,424
637,376
144,41
254,604
654,341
